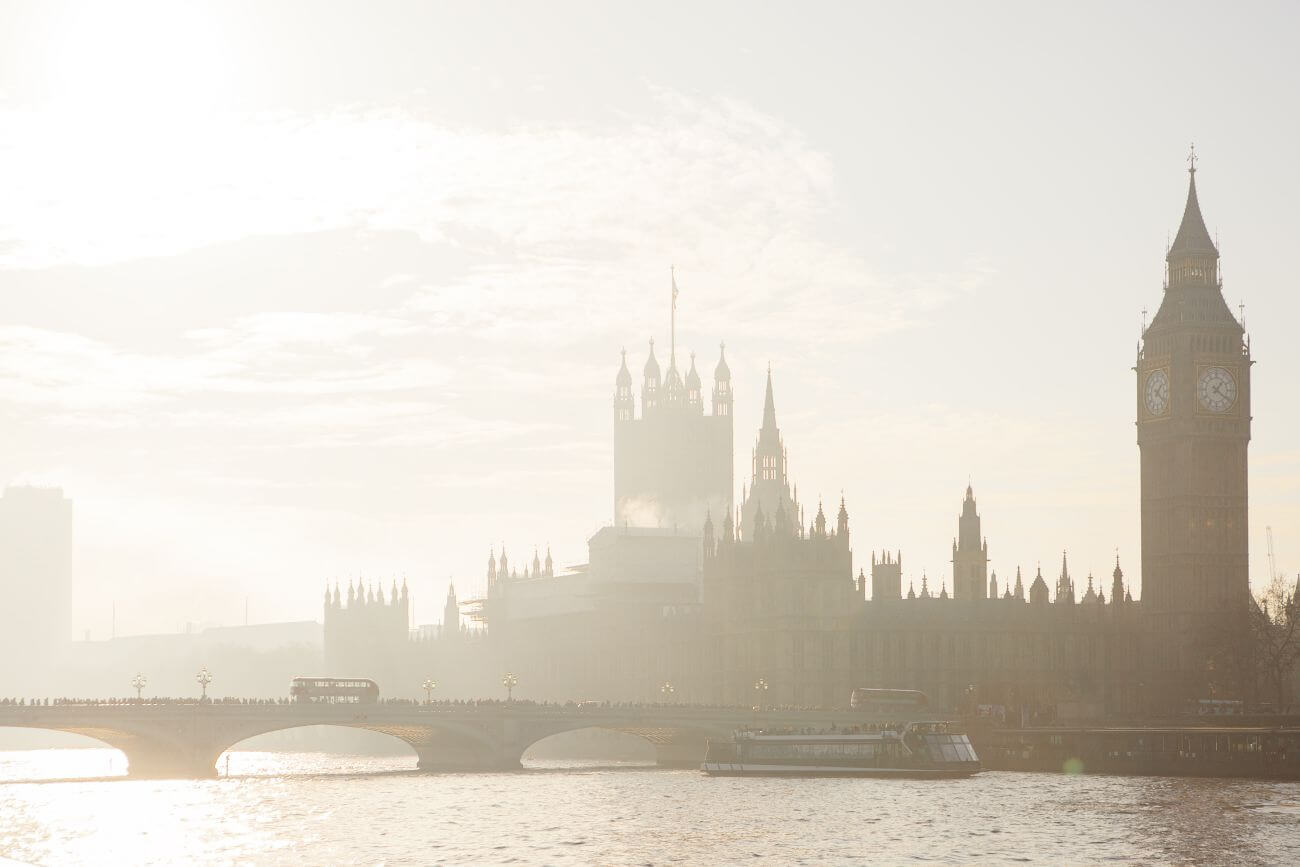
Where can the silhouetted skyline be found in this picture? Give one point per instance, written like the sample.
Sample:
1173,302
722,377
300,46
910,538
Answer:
276,315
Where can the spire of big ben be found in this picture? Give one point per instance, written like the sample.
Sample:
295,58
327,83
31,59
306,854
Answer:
1193,258
1192,238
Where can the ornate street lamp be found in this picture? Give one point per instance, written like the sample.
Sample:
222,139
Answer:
429,686
760,687
204,677
139,682
510,681
666,690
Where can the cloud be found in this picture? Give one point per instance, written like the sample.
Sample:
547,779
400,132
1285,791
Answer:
555,220
460,375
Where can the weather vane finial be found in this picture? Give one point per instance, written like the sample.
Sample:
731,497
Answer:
1191,158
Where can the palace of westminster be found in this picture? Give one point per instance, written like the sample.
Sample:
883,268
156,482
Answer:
759,594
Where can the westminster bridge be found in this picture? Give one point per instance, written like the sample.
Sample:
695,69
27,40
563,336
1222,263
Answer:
185,738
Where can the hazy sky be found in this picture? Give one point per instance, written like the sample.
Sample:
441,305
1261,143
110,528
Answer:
291,292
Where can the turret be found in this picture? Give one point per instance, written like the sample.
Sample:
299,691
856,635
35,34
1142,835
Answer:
1117,583
550,564
650,383
970,560
1038,590
781,522
1020,587
694,391
451,613
1090,597
624,408
722,397
1064,584
842,524
819,523
886,576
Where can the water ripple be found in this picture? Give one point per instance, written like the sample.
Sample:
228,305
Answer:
279,808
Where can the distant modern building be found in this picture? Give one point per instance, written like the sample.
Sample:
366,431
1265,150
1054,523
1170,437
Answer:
35,569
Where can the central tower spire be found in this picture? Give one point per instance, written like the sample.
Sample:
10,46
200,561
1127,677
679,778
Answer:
769,405
770,482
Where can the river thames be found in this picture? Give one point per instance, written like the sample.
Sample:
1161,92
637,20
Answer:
294,808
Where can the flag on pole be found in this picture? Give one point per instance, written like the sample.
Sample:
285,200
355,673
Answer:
672,353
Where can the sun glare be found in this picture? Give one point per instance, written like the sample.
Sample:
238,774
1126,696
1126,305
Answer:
138,59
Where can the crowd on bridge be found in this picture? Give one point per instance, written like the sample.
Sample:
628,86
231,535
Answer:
437,705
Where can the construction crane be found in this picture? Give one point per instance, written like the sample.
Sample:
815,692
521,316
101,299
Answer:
1272,562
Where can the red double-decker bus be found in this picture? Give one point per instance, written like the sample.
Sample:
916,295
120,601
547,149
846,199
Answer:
335,690
899,702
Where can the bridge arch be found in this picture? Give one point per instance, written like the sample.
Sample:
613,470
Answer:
80,745
335,741
674,744
148,751
591,742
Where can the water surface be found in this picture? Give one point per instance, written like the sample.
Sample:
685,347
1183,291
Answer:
293,808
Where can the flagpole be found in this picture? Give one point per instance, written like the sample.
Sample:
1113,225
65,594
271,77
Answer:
672,347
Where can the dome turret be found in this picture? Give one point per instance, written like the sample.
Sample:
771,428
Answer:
651,369
624,377
722,373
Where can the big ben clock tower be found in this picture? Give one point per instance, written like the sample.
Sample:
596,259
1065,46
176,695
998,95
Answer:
1193,428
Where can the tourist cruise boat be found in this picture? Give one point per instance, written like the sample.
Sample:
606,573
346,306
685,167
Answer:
916,750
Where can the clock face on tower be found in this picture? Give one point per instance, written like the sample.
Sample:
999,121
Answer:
1216,389
1157,392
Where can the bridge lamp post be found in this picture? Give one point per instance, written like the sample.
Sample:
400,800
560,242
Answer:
666,691
204,677
760,687
429,686
139,682
510,681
